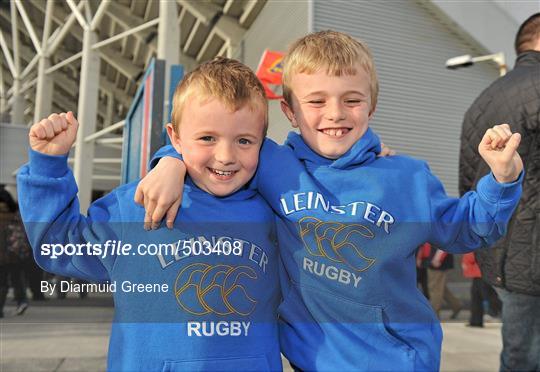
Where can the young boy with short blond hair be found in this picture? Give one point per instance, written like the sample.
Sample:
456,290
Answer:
208,300
350,222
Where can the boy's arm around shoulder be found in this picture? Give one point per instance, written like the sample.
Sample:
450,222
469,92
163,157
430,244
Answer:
279,171
50,211
161,194
160,191
272,160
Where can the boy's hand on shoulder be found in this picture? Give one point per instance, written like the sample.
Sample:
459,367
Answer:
160,192
499,149
54,135
386,151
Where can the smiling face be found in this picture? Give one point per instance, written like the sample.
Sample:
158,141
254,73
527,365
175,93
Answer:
220,147
331,112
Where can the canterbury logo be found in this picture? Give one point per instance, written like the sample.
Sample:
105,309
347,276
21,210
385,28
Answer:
336,241
219,289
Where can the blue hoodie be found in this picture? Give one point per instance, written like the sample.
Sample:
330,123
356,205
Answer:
218,310
348,231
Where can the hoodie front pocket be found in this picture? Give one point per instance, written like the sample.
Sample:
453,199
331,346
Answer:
325,331
247,363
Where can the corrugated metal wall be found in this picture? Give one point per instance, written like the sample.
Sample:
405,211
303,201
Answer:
421,104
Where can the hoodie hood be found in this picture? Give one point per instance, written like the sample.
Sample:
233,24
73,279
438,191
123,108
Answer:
363,152
248,191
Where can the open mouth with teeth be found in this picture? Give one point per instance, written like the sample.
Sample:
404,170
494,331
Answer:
222,174
335,132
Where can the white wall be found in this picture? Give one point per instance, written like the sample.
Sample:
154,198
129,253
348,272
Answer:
519,10
493,24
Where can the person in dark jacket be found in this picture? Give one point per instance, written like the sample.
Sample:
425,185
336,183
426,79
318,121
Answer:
513,264
483,296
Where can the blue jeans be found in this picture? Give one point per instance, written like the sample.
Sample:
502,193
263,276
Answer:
520,331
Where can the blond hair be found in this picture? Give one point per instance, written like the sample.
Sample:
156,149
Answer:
227,80
334,51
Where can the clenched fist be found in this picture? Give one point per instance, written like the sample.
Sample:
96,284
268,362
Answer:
499,149
54,135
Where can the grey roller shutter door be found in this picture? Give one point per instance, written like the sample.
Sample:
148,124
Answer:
421,104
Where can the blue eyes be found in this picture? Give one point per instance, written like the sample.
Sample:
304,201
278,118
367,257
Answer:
241,141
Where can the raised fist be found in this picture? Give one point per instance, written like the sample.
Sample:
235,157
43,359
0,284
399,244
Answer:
499,149
54,135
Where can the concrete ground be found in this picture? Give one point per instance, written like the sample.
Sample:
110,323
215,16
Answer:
72,335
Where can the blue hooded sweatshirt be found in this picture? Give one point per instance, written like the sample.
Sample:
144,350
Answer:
348,231
207,303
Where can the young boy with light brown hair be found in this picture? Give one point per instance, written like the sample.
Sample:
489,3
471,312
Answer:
208,300
350,221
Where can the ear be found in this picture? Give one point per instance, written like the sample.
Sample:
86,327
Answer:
288,113
372,112
175,139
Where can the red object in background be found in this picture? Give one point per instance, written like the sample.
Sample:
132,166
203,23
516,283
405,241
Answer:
470,267
424,252
270,71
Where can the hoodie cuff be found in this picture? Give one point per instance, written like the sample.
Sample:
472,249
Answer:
497,192
54,166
